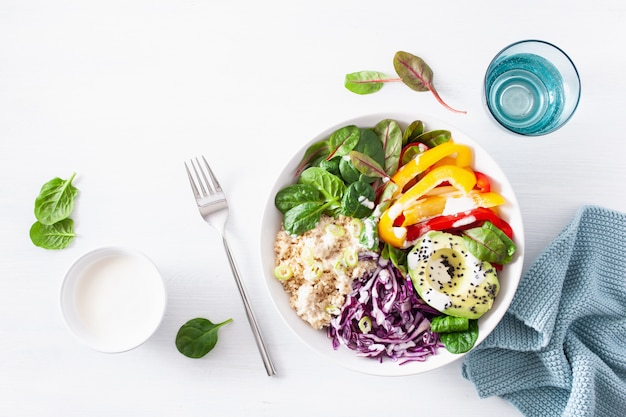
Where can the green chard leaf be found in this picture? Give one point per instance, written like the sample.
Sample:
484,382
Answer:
433,138
316,151
366,82
490,244
55,236
55,201
198,337
412,131
343,140
417,75
390,134
366,165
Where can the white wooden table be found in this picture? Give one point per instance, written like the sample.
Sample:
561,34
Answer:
122,92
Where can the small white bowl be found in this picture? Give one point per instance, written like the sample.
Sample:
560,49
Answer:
113,299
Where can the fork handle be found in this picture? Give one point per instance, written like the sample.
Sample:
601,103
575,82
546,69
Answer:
267,361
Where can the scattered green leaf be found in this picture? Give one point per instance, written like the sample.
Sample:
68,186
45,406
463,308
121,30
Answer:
55,201
198,337
55,236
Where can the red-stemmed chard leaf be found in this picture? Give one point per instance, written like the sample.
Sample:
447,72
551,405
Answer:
367,82
417,75
366,165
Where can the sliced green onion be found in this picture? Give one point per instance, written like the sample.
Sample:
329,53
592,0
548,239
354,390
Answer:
351,256
313,271
340,265
332,310
355,227
283,272
335,229
365,324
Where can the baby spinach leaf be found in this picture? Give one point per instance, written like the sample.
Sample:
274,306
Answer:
461,341
55,236
295,194
371,145
417,75
397,256
302,218
198,337
390,134
358,201
366,82
343,140
331,166
55,201
331,186
348,172
447,324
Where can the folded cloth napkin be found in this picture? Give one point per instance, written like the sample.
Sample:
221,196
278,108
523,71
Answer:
560,349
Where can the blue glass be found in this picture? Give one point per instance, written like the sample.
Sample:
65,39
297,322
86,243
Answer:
532,87
525,93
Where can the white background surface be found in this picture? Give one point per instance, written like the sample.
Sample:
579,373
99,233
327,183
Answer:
122,92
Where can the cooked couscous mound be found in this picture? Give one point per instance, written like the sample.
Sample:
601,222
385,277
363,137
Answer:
318,267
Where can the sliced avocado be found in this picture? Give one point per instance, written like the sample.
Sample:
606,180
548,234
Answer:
449,278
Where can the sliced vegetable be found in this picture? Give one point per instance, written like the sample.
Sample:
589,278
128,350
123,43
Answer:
283,272
425,160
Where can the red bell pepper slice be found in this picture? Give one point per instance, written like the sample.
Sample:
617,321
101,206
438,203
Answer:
483,183
458,221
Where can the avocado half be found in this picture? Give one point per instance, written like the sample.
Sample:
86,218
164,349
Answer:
449,278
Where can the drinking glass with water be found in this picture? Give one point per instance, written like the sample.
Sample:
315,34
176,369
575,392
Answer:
532,87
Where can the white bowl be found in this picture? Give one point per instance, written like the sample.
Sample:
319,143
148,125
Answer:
317,339
113,299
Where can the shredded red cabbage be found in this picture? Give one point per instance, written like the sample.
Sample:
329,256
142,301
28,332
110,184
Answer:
400,320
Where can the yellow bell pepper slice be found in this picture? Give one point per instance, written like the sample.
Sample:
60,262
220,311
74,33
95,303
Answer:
458,177
425,160
436,205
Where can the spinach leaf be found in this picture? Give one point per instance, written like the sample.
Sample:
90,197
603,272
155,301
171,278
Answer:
331,165
295,194
461,341
447,324
490,244
331,186
198,337
55,201
371,145
55,236
348,172
397,256
390,134
302,218
358,200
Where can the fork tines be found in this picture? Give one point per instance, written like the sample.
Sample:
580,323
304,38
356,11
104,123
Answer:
204,178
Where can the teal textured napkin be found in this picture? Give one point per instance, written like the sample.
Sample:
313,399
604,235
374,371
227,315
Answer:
560,349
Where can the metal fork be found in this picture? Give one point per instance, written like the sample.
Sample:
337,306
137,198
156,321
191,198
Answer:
213,208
